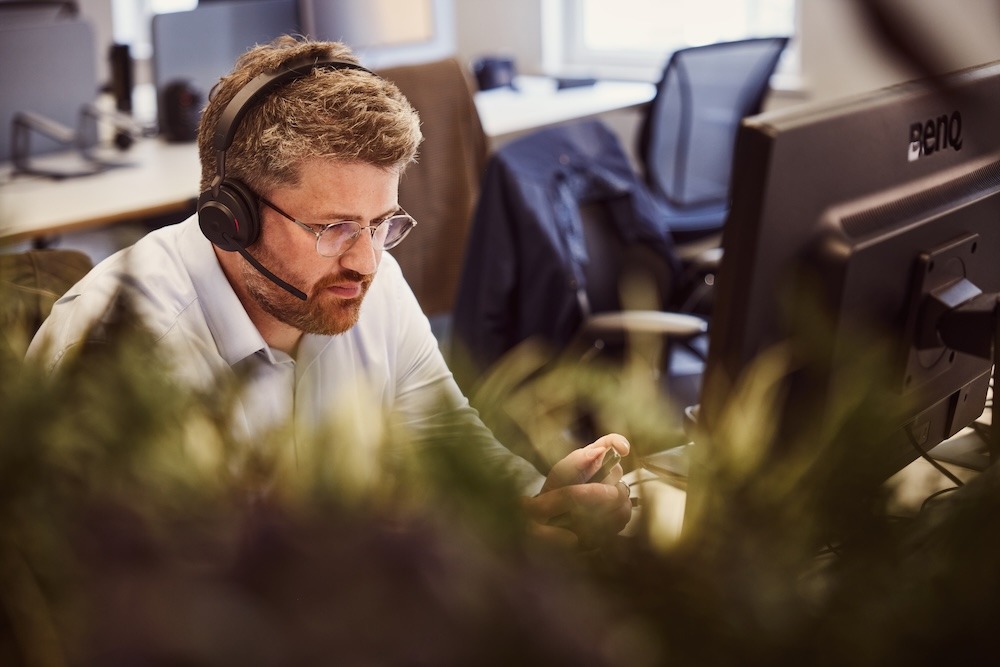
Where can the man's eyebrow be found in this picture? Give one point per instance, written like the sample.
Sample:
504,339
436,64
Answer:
335,217
393,211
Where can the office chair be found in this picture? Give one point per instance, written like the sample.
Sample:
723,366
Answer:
617,265
688,136
562,219
440,190
30,282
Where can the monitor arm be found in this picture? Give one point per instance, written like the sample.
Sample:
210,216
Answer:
973,327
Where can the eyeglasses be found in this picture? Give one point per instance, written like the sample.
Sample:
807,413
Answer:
336,238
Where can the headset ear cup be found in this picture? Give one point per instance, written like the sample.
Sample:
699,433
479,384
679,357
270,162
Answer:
230,219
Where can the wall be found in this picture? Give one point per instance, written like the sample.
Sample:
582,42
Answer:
512,27
840,54
98,12
843,54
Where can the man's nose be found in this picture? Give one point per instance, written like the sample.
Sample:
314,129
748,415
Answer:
363,256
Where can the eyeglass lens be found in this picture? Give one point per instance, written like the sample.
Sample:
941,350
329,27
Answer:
338,239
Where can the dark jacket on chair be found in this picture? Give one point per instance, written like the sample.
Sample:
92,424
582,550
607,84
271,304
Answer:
524,265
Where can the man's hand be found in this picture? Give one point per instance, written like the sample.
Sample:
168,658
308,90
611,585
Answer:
570,510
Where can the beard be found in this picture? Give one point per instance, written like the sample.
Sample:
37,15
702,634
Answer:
321,313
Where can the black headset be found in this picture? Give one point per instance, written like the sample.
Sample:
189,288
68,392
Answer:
229,211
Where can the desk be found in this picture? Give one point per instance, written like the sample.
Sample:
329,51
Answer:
163,179
537,103
661,484
165,176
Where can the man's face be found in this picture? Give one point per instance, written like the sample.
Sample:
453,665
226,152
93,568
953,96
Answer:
328,191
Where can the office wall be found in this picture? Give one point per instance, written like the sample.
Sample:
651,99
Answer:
843,54
98,12
512,27
840,53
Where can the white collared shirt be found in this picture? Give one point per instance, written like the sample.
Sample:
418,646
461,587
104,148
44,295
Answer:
390,358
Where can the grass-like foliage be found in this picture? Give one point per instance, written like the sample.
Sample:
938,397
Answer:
135,529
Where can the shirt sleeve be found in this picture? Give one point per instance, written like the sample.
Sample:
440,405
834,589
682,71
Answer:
430,402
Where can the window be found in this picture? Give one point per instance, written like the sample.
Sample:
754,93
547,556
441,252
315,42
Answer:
131,21
635,37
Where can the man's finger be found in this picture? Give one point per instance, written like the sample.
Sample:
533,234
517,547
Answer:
578,497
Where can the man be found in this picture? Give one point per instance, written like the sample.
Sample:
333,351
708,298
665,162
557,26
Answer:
282,277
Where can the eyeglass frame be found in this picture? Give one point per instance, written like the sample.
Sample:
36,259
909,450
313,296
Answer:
371,228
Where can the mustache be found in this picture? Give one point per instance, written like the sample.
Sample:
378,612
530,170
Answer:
347,276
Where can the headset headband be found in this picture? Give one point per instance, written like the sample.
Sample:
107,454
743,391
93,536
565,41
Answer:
264,83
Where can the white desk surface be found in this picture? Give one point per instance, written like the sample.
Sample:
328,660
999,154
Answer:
163,179
165,176
661,487
537,103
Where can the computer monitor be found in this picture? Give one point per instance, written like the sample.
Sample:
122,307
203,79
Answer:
222,31
49,68
385,33
859,226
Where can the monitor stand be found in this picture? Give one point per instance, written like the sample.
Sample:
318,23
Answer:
967,448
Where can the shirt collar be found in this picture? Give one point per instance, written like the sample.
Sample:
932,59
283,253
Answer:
235,334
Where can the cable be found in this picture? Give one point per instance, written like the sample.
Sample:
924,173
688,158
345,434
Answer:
936,494
829,549
924,455
994,441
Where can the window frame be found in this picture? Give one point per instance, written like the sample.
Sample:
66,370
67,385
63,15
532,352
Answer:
566,52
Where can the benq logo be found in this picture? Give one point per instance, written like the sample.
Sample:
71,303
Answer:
934,135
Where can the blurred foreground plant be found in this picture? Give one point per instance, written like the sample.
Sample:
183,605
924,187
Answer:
789,552
134,529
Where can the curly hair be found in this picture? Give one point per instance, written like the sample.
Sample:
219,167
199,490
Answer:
344,114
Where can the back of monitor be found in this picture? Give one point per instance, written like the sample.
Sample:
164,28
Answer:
201,45
49,68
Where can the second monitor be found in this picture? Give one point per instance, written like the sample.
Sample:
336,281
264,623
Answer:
866,230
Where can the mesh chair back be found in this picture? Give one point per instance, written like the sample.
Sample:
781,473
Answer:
689,134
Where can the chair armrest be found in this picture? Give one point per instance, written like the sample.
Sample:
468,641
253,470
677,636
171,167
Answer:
701,260
675,325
